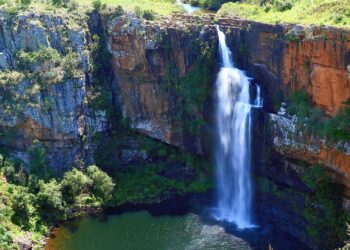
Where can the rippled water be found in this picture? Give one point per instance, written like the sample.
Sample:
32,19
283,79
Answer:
142,231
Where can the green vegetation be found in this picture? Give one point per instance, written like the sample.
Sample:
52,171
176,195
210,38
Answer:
321,12
146,185
163,7
327,221
29,203
208,4
47,66
347,244
316,122
193,89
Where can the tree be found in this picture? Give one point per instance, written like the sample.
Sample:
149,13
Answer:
22,205
103,185
49,199
73,184
38,164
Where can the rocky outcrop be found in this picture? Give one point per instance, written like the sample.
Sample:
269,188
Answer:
290,141
57,114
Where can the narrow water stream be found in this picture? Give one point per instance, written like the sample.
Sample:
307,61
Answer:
188,7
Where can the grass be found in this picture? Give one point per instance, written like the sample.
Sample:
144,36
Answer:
162,7
319,12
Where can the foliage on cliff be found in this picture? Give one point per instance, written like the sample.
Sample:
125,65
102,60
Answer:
327,222
316,122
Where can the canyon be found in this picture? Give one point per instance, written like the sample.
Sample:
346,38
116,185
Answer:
161,83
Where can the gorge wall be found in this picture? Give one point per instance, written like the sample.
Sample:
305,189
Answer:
163,84
282,58
39,99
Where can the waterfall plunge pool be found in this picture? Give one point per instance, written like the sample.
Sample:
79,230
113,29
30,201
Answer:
178,224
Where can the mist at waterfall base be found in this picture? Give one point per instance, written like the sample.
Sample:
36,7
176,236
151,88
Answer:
233,152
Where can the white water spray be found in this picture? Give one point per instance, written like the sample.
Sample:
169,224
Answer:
233,152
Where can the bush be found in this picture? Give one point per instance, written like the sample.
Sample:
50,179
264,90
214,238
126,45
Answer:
119,11
103,185
49,199
314,119
138,12
26,2
72,5
6,240
73,184
282,5
22,206
38,164
57,2
149,15
338,127
71,65
324,213
97,4
211,4
42,66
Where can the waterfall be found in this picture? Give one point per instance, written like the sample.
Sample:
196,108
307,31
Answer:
233,150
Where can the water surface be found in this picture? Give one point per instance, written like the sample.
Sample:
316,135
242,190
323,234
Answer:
142,231
188,7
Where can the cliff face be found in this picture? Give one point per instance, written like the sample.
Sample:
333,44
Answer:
36,101
165,74
151,61
289,141
280,58
290,57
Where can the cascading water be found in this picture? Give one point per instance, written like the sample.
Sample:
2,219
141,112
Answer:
233,152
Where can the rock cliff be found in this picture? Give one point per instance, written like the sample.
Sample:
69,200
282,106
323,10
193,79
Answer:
280,58
39,99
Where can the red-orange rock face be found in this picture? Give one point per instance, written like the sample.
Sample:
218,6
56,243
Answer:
281,58
288,140
319,63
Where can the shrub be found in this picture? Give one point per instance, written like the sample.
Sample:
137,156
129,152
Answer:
138,11
324,213
314,119
49,199
42,66
149,15
72,5
26,2
57,2
73,184
282,5
338,127
6,240
119,11
22,205
97,4
71,65
103,185
38,164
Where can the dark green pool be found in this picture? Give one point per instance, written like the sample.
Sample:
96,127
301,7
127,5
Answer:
142,231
